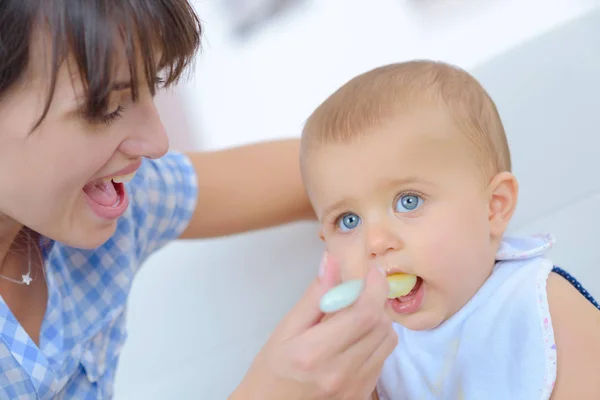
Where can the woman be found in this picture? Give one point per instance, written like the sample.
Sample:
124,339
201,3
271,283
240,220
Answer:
77,122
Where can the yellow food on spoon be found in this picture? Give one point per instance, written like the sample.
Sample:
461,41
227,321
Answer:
401,284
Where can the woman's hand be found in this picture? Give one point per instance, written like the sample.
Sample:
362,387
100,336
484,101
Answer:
338,357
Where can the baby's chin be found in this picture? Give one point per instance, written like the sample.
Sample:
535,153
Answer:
420,320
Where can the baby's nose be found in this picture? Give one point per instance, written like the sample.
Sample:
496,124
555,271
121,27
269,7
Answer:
382,239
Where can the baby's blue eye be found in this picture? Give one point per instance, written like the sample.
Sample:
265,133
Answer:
407,203
348,222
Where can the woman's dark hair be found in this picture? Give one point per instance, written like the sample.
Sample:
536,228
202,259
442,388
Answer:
89,31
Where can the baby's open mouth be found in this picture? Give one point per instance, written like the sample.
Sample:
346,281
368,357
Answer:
409,299
408,296
401,284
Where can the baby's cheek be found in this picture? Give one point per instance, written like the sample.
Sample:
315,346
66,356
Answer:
351,260
438,242
458,265
443,254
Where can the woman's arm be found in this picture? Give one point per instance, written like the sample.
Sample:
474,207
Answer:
247,188
576,324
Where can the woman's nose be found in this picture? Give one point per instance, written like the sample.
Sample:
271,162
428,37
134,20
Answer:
147,137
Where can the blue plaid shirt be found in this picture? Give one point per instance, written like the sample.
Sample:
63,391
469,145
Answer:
84,326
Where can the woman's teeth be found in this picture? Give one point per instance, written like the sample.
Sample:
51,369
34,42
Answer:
121,178
400,284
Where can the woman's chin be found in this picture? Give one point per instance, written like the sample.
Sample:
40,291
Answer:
86,236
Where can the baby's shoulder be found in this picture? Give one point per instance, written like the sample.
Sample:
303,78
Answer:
576,324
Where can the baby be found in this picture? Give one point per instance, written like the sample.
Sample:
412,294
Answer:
408,169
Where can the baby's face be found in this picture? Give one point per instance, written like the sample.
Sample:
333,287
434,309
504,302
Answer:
407,196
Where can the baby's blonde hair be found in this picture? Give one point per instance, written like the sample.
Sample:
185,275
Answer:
372,98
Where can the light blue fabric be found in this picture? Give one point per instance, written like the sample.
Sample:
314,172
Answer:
499,346
84,326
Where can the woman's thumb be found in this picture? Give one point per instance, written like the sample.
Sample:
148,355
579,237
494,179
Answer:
306,312
329,273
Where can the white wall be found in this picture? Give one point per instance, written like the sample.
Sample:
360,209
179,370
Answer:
199,311
267,86
547,93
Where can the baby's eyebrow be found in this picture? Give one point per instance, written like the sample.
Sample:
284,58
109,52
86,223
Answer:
336,206
407,181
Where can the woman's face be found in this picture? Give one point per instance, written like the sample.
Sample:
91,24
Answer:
56,179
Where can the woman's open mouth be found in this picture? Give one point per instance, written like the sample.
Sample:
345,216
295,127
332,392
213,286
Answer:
108,197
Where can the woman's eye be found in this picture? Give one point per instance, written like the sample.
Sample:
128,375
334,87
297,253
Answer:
347,222
408,203
113,116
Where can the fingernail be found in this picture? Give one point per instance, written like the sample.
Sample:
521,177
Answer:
380,269
341,296
322,266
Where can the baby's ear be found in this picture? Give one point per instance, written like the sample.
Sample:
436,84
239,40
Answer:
503,193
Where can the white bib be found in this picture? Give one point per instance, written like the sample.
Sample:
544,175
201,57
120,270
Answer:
500,345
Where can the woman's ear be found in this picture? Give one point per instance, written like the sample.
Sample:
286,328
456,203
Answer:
503,193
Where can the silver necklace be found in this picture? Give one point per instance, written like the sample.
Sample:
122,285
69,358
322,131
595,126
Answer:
26,278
